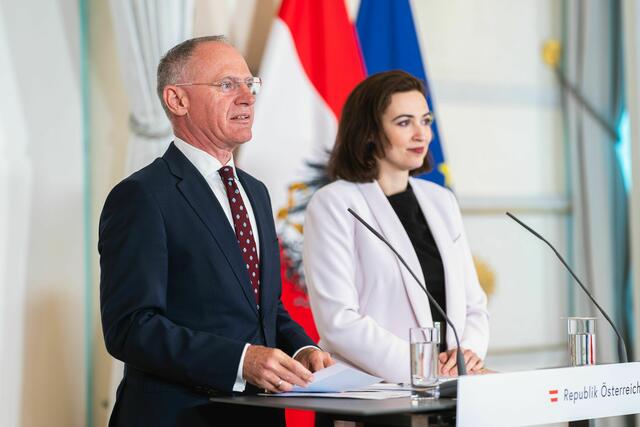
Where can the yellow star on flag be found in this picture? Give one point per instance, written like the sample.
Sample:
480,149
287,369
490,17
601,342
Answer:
443,168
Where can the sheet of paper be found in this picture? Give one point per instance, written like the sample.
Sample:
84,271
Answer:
373,395
338,378
387,387
448,387
404,386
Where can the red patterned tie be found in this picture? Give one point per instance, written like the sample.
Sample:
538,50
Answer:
244,233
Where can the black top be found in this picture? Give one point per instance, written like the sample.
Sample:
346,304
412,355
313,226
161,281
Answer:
410,214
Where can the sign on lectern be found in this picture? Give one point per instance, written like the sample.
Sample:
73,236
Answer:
549,395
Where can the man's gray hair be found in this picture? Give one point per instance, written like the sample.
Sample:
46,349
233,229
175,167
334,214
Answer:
172,65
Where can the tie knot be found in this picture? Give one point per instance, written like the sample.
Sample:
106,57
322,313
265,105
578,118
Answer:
226,173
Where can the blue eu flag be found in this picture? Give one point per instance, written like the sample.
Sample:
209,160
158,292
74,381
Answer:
389,42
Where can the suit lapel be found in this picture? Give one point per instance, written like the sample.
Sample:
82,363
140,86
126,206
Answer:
263,218
196,191
391,228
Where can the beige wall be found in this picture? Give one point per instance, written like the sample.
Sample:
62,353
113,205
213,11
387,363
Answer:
500,117
43,45
109,131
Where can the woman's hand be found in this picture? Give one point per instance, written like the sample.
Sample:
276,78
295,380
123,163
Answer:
448,367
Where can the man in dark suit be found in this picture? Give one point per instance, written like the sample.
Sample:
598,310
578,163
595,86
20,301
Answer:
190,269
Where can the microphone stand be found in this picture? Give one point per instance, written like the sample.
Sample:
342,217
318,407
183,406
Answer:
622,348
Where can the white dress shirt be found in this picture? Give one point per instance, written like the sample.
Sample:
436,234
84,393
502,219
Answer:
208,167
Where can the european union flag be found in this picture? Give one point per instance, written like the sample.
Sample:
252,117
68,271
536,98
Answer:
389,41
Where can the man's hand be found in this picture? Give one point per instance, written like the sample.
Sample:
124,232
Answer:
273,370
448,366
314,359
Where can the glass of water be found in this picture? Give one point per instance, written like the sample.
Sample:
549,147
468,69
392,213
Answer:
582,340
424,344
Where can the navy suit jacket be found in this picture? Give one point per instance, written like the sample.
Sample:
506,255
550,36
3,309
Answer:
176,301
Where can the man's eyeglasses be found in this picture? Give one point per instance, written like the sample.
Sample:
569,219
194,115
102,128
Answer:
228,85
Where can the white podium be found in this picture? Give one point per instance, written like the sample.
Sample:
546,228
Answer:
549,395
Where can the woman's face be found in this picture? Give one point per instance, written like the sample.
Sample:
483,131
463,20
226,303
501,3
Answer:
406,124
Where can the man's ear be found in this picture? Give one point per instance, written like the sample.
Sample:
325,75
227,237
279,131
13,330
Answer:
176,100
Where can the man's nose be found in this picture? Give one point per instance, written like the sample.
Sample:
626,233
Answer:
245,95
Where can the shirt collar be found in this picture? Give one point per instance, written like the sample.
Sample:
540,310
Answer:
205,163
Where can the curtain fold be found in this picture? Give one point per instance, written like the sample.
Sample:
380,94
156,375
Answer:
593,64
15,203
631,25
145,30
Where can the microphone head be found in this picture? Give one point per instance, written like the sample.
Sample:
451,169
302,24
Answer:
513,217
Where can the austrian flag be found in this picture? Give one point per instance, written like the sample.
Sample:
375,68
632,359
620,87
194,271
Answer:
313,59
311,63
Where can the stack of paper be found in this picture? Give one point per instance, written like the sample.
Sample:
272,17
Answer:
343,381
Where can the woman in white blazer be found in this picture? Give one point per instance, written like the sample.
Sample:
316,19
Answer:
363,300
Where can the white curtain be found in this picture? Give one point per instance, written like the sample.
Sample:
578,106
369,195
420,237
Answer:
145,31
632,67
15,194
593,64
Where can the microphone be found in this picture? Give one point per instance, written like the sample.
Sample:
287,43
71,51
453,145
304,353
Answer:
462,369
622,348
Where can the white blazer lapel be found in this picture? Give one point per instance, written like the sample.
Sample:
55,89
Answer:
391,228
454,293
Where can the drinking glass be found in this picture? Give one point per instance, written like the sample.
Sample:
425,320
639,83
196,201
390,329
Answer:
424,344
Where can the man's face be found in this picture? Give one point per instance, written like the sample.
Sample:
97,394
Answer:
224,119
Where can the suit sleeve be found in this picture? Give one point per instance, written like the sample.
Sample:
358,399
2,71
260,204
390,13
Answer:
290,335
133,298
330,262
476,330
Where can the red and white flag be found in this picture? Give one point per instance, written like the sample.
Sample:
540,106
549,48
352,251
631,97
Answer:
311,63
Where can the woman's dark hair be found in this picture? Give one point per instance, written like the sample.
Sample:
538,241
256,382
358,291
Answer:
360,138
